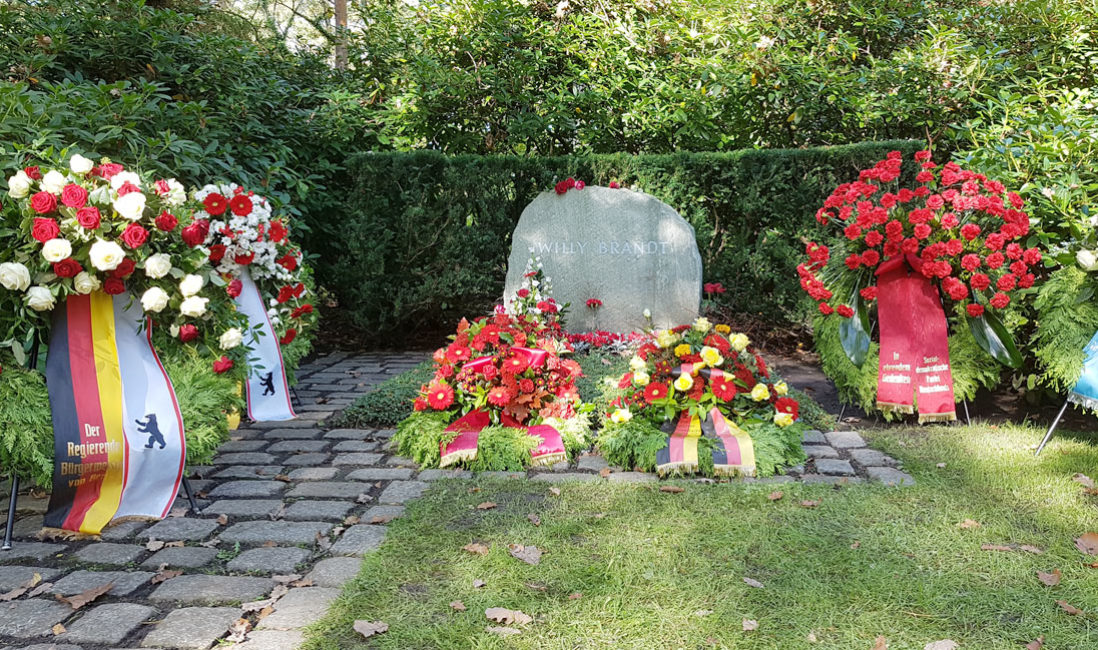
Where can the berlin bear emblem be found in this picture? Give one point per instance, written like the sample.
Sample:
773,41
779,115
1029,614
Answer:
268,383
150,427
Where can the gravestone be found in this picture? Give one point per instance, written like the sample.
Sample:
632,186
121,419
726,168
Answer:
628,249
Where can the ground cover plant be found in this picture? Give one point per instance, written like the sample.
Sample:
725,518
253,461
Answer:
955,557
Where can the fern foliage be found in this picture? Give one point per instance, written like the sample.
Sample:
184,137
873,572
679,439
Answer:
1067,318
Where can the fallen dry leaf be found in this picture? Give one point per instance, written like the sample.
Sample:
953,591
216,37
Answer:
856,544
944,644
283,477
22,589
775,496
457,605
1050,579
487,505
534,519
673,489
750,625
238,630
40,589
223,519
968,523
1036,644
507,616
575,596
278,592
995,547
474,490
154,545
1084,480
536,586
364,498
304,582
703,612
1031,549
807,503
369,628
604,472
880,643
528,554
175,544
382,519
58,629
350,520
1074,611
163,575
555,491
322,542
503,631
751,582
477,584
811,638
286,579
941,465
86,596
476,547
1088,543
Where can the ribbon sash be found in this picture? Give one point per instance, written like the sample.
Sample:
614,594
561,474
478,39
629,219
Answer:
1085,392
463,447
681,452
914,365
268,390
734,455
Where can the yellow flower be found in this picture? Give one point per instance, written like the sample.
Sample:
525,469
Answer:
666,338
682,349
636,363
739,342
702,324
641,378
760,393
684,383
711,356
783,419
723,329
781,388
621,415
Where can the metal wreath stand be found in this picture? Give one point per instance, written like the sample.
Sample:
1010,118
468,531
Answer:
13,500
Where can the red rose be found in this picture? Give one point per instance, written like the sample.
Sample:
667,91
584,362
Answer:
560,188
217,253
234,288
188,333
288,337
193,235
74,196
44,202
277,232
166,222
162,187
134,236
67,268
244,259
240,205
114,286
921,156
974,310
44,230
215,204
128,188
203,226
33,172
88,217
124,269
108,170
1000,300
224,364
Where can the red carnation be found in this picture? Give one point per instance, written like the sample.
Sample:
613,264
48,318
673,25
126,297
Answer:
302,310
873,238
852,232
995,241
949,220
970,231
134,236
995,260
869,293
980,281
1006,282
222,365
1031,256
285,294
970,262
240,204
188,333
922,231
288,337
215,204
974,310
44,202
74,196
67,268
166,222
244,259
654,391
113,286
44,229
522,293
88,217
217,253
234,288
1000,300
844,311
826,309
526,386
440,396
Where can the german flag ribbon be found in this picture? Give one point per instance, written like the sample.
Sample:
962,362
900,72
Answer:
681,452
734,455
118,434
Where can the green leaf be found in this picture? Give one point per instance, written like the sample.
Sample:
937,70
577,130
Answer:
854,331
993,337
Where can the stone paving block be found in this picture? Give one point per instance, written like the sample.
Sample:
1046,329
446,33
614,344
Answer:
391,512
564,477
349,434
243,507
632,477
871,458
272,559
399,492
27,504
355,446
436,474
26,526
298,608
334,571
295,446
125,582
187,529
845,439
183,557
234,446
47,646
279,532
309,510
15,575
890,476
191,628
384,433
108,553
820,451
311,459
561,466
591,462
814,437
778,478
245,458
107,624
121,531
313,474
32,551
328,489
381,474
245,489
31,618
202,589
249,471
272,640
834,467
400,461
357,459
359,540
812,479
501,474
304,431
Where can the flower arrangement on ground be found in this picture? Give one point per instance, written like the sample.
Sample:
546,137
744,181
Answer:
699,399
942,265
503,397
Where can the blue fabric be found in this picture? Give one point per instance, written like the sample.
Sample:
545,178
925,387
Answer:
1086,389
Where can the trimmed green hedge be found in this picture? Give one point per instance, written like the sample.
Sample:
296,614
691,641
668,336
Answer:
425,237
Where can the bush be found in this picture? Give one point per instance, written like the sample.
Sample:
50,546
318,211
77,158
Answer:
428,235
389,403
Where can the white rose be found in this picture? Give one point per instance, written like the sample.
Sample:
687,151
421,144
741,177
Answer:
230,339
159,265
131,205
194,306
121,178
19,185
14,276
106,255
53,182
190,285
56,250
1087,260
177,195
85,282
39,298
174,329
80,165
154,299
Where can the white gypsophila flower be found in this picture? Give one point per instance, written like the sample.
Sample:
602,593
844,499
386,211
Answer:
39,298
56,250
154,300
53,182
194,306
130,206
230,339
121,178
80,165
19,185
85,283
106,255
191,284
159,265
14,276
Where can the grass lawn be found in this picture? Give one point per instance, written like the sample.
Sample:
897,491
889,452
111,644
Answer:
664,570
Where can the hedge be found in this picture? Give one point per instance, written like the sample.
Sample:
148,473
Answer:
425,237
